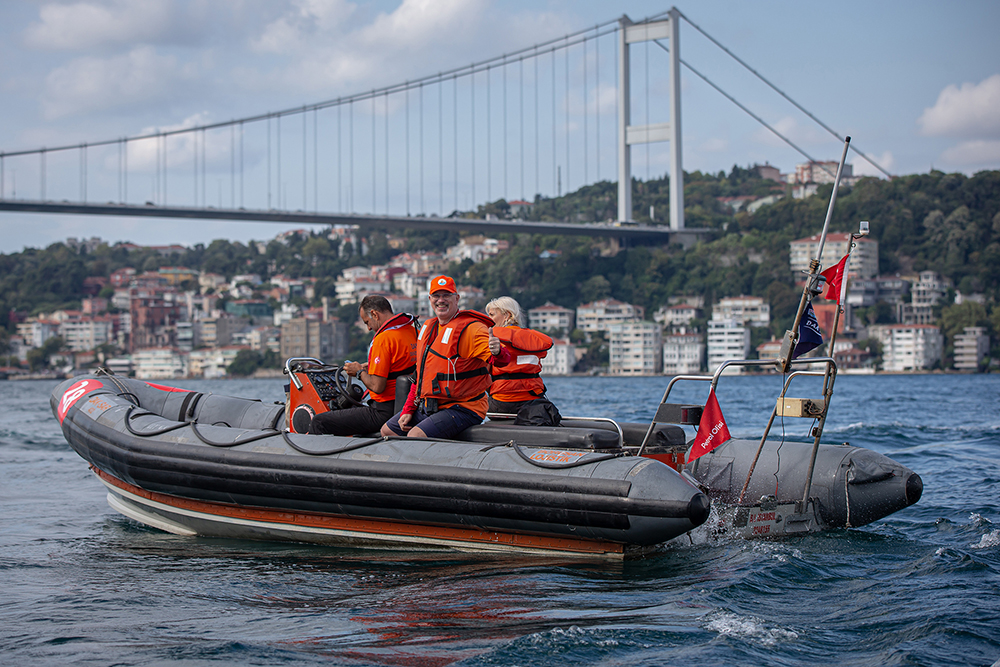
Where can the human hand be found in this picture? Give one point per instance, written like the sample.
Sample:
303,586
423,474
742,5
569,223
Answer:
352,368
494,343
404,421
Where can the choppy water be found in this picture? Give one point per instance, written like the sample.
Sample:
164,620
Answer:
84,585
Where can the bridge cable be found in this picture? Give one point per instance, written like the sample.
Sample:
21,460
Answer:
441,150
748,112
387,154
489,140
586,129
268,166
782,93
566,61
520,123
554,119
506,192
423,208
407,140
305,172
646,93
597,101
538,183
278,183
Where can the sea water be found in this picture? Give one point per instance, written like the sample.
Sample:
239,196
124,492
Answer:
81,584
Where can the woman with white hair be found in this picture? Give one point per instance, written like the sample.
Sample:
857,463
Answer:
516,379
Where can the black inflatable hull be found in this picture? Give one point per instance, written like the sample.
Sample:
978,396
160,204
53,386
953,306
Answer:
196,464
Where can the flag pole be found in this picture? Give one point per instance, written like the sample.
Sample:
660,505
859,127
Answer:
784,360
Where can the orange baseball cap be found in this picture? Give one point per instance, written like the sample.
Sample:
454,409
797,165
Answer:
443,284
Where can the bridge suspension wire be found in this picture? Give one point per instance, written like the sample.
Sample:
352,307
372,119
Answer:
386,139
783,94
748,112
489,140
586,130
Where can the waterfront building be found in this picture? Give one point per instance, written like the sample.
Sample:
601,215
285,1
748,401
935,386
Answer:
551,317
726,339
635,348
971,348
159,363
864,260
602,314
750,310
683,353
678,315
908,347
560,359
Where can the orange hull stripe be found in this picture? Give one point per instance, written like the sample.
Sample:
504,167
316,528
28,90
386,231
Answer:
373,526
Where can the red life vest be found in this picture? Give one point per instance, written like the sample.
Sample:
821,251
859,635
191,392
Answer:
519,380
441,373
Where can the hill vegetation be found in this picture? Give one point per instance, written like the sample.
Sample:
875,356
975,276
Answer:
948,223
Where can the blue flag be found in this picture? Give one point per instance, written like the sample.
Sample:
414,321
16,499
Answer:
810,335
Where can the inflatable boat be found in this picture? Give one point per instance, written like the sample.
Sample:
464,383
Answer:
202,464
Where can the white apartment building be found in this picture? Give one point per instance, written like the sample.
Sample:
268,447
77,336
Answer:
265,338
211,364
87,333
864,261
35,332
683,353
908,347
818,171
750,310
635,348
561,359
676,316
727,339
551,317
971,347
602,314
476,248
159,363
352,287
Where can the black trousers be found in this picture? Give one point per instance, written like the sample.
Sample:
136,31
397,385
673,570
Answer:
353,421
506,408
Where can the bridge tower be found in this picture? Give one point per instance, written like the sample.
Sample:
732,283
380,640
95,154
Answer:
629,135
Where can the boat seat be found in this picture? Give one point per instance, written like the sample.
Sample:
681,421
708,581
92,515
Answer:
557,437
664,435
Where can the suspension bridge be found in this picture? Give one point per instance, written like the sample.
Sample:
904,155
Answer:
429,153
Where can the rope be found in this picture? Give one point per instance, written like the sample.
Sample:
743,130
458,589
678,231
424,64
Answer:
782,93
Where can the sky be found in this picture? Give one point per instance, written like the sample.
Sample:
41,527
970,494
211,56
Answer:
916,84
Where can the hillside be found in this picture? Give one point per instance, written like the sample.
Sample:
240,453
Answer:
948,223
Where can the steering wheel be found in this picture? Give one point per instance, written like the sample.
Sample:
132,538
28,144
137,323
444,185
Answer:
345,385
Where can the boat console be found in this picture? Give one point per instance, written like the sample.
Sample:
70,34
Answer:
316,387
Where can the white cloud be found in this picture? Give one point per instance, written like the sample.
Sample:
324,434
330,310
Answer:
90,84
980,153
969,111
863,168
324,52
98,25
302,22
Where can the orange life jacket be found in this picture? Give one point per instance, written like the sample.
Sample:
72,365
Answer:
444,375
519,380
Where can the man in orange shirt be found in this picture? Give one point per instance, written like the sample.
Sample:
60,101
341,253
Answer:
453,354
391,354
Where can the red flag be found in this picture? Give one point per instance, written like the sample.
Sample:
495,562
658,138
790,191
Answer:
834,278
712,429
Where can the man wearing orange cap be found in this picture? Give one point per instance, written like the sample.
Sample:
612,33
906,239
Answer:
453,354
